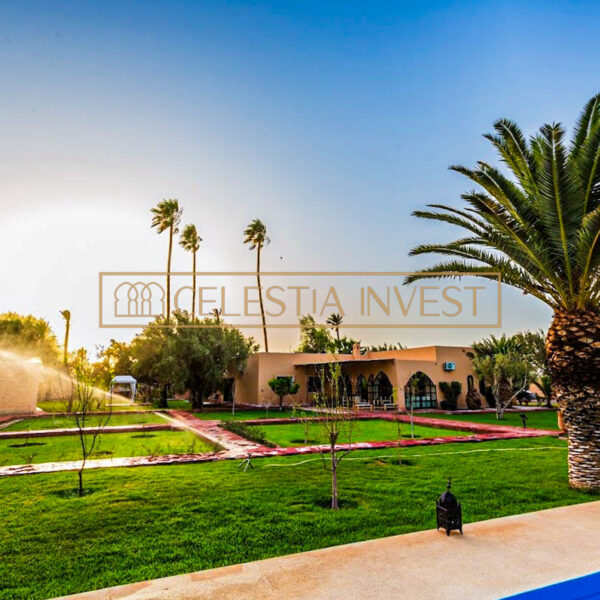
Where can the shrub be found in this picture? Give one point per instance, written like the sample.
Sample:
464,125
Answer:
451,391
249,432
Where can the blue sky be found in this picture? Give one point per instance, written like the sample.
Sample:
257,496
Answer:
331,121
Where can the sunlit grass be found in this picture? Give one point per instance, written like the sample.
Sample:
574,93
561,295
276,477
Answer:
142,523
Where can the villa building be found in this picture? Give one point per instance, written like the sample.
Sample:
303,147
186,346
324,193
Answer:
370,378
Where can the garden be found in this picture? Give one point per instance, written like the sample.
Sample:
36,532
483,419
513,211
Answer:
134,524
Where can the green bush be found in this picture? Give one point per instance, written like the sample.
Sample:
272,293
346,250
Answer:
249,432
451,391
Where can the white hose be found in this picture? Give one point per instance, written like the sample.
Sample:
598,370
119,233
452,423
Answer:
409,456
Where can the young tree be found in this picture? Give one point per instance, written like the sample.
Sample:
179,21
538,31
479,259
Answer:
166,217
305,421
500,376
85,404
282,387
507,373
413,386
539,227
256,236
396,397
533,345
336,420
190,241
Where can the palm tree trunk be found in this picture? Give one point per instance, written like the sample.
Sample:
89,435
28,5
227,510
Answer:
260,298
169,272
193,285
573,346
337,331
66,349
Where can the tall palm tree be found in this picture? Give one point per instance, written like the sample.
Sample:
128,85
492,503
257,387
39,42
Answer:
256,236
540,228
335,320
190,241
67,317
166,217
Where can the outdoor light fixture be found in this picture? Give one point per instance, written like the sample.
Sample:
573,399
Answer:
449,511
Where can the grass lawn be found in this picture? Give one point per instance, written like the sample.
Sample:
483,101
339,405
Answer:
363,431
179,404
142,523
539,420
52,406
243,415
59,422
48,449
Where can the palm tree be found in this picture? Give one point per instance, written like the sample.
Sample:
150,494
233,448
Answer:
540,228
190,241
335,320
166,217
67,317
256,236
216,313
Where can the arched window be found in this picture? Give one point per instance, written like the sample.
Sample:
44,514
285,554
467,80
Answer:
420,392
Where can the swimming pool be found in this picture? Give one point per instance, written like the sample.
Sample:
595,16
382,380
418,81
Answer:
581,588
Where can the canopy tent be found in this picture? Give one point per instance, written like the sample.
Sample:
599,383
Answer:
124,382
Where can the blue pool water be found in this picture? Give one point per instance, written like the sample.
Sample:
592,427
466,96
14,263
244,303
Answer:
582,588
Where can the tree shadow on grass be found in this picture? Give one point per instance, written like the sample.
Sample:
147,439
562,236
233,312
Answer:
72,493
27,444
344,503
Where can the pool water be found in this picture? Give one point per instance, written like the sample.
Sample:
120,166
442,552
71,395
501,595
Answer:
581,588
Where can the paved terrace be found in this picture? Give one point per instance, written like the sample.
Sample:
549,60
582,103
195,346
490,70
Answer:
235,447
494,559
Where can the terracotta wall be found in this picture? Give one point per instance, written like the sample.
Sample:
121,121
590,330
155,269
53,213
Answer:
399,365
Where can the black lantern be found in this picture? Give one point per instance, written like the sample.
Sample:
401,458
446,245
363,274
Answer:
449,511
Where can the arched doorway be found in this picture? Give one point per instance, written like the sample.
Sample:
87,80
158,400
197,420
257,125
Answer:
371,389
361,388
344,389
382,388
420,392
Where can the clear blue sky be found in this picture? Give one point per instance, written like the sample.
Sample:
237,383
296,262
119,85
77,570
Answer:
331,121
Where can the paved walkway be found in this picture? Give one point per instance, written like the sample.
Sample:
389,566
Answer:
34,433
493,559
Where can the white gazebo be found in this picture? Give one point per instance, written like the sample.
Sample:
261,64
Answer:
124,383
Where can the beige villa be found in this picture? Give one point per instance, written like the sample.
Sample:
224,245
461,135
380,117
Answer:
370,378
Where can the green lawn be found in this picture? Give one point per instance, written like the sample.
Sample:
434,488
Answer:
362,431
48,449
539,420
59,422
243,415
142,523
53,406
